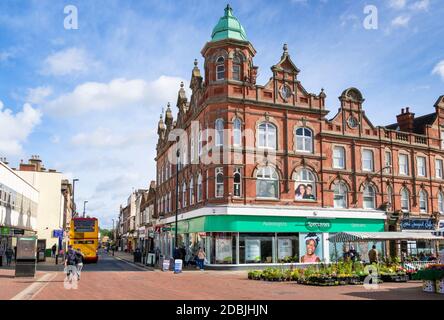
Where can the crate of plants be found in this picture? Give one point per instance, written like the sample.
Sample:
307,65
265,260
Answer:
320,279
393,273
255,275
432,278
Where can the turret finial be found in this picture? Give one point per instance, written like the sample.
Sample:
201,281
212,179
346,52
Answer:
181,84
195,62
285,48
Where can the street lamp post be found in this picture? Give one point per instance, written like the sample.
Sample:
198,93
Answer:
84,207
73,195
177,190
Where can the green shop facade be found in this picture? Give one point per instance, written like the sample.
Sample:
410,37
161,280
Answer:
238,240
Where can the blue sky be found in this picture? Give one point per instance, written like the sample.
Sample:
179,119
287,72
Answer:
88,100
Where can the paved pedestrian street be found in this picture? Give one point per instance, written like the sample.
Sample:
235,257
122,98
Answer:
116,278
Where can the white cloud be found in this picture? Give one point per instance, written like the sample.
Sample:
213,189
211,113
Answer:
38,95
68,61
397,4
439,69
421,5
106,138
401,21
15,128
118,93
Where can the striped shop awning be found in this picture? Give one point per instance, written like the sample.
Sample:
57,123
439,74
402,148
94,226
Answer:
382,236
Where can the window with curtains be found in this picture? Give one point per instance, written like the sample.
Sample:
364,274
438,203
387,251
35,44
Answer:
237,185
237,132
339,158
192,191
304,140
403,164
267,182
440,202
369,197
438,169
219,182
340,195
219,132
367,160
199,188
267,135
405,200
220,68
421,166
423,201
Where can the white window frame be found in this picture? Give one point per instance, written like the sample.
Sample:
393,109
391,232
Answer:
269,141
405,166
220,68
184,195
423,199
405,193
421,167
388,162
267,173
236,64
364,160
219,128
237,132
439,166
440,202
192,191
337,159
219,192
367,188
307,140
199,188
340,189
237,185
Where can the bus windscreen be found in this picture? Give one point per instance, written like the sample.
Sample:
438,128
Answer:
84,225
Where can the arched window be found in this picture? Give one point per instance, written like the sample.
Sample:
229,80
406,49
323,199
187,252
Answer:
219,132
219,182
199,188
390,197
220,68
184,195
192,147
199,144
237,132
192,191
369,197
237,182
423,201
304,140
267,135
340,195
405,200
305,185
440,202
236,68
267,183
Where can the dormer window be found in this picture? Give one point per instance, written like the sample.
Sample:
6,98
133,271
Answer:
236,68
220,68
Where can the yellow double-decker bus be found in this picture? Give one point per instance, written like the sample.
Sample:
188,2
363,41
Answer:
84,236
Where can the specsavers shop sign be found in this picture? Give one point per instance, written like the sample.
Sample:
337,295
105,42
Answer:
417,224
318,225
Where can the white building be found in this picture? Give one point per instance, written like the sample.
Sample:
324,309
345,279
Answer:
53,187
18,206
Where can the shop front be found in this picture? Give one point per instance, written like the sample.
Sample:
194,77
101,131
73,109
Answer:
256,240
417,248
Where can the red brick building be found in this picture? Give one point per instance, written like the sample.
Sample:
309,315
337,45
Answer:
264,169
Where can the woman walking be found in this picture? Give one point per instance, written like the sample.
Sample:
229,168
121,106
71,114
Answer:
201,258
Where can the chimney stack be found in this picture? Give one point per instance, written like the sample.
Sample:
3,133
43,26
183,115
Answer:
405,120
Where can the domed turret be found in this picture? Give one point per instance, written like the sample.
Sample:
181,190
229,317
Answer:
228,27
160,126
168,116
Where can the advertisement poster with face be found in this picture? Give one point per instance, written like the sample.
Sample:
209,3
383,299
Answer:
310,247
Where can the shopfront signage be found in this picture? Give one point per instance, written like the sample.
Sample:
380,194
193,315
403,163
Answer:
318,225
417,224
4,231
19,232
165,229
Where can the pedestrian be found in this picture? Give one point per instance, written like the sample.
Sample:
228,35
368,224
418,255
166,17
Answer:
70,262
201,258
53,250
2,252
79,262
373,255
9,253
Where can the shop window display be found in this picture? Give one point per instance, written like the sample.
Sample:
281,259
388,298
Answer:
256,248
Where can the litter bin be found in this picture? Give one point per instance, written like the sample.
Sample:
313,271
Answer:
137,256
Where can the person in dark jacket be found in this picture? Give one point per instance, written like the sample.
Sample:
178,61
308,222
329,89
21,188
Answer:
9,253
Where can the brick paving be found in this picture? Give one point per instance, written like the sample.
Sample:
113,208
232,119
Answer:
10,286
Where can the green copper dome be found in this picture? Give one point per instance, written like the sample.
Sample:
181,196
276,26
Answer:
228,27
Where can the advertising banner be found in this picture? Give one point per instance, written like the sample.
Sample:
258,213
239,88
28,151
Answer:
252,250
285,248
310,247
224,250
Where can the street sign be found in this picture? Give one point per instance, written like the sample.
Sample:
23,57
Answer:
165,229
57,233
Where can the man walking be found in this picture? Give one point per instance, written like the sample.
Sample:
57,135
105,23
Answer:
9,253
53,250
70,263
79,265
373,255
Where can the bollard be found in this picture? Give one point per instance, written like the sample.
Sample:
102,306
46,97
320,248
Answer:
57,259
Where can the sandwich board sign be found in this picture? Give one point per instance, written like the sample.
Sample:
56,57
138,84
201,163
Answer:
178,265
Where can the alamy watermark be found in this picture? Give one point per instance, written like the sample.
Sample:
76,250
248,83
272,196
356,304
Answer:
71,21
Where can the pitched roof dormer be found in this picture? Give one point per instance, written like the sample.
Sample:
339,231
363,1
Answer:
286,64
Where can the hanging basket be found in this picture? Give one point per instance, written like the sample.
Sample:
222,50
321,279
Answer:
428,286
